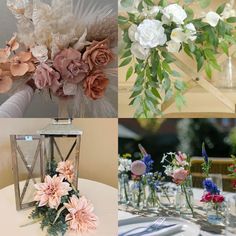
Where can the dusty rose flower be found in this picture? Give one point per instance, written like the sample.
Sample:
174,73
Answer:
51,191
46,77
138,168
5,82
95,85
66,170
81,218
70,65
180,175
98,54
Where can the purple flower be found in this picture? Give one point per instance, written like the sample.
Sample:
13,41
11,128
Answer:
211,187
147,159
204,153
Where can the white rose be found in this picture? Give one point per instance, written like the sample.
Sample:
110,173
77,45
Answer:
150,34
173,46
138,51
131,32
191,31
175,13
212,18
40,53
177,35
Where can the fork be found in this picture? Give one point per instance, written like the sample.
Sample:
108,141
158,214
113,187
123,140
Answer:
157,223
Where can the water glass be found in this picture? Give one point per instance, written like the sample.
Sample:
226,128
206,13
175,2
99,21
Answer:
217,179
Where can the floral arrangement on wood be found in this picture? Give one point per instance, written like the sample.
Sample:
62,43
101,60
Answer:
68,51
59,207
154,32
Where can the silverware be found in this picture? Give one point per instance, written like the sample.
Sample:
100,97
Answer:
157,223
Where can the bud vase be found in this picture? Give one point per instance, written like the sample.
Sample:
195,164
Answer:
152,200
138,195
124,190
216,213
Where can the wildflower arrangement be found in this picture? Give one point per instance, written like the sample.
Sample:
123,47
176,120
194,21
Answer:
178,168
67,49
212,194
59,206
232,170
154,30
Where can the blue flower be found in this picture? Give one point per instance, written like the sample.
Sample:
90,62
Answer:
211,187
147,159
204,153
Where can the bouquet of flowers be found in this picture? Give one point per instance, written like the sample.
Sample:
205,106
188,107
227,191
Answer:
153,31
232,170
59,207
178,169
67,50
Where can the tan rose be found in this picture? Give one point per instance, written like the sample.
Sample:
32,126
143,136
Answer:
98,54
95,85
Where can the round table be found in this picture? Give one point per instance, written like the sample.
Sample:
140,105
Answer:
103,197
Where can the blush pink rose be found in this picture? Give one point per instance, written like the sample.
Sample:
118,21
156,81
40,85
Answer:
180,175
46,77
70,65
95,85
138,168
98,54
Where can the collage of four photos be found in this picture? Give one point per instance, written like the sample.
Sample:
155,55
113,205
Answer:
118,117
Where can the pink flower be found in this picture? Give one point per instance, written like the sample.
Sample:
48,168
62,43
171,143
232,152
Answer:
95,85
138,168
181,159
180,175
66,170
51,191
98,54
215,198
46,77
70,65
81,218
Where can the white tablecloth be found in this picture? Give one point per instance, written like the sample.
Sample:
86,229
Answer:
197,196
102,196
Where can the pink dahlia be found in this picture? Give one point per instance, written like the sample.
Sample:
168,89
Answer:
66,170
81,218
51,191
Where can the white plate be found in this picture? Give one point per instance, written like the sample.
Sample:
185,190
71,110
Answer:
188,228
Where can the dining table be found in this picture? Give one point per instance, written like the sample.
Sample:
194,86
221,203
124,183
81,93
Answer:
127,213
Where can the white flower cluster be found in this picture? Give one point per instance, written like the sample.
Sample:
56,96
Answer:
124,164
150,33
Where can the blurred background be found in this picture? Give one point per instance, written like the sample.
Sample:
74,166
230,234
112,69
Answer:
160,136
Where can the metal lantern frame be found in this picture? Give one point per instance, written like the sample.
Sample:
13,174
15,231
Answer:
60,128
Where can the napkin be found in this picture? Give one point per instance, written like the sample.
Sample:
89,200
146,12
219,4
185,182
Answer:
140,230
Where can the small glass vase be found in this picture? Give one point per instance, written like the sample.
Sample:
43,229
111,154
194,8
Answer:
216,213
124,189
184,198
138,195
167,196
152,200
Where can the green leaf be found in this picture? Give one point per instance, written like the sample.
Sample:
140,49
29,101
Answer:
180,85
231,20
188,1
129,72
149,2
166,67
204,3
156,93
163,3
166,83
200,61
136,93
180,100
175,73
126,3
126,54
125,62
168,57
189,12
208,71
221,8
224,47
122,20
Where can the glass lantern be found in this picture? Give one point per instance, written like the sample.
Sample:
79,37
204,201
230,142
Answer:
61,142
